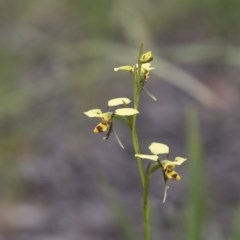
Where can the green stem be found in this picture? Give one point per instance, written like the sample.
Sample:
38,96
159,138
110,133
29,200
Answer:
146,205
137,151
136,96
135,136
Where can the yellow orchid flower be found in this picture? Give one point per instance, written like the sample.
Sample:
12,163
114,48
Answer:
107,117
167,165
145,60
145,71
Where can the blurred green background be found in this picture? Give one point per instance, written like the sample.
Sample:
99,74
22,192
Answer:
60,181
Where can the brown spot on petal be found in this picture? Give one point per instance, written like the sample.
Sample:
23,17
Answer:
174,176
100,129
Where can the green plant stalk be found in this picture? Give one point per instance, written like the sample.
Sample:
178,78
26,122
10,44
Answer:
136,142
146,205
144,178
136,97
137,151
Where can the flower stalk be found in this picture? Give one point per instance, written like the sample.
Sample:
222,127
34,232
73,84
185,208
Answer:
136,98
146,204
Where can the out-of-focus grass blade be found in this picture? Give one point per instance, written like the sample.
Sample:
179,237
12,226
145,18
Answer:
184,81
196,206
236,226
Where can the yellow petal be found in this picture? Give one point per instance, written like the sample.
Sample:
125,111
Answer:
93,113
159,148
146,57
101,127
118,101
172,175
147,67
124,68
179,160
126,111
106,116
168,164
150,157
